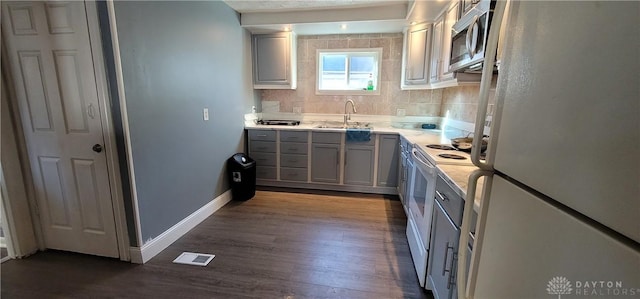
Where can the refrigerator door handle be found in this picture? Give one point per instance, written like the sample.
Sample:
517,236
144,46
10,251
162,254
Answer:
485,85
465,229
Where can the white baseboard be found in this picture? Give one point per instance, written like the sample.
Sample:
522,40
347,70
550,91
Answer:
141,255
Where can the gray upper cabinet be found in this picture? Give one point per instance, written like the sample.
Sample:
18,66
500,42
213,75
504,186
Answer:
440,76
417,46
358,165
388,160
436,50
450,18
274,60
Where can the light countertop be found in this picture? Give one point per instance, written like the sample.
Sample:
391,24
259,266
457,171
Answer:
459,176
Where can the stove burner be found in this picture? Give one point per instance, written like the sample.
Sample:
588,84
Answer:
452,156
441,147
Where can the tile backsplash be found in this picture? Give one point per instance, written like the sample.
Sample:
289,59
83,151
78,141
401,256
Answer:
391,98
462,102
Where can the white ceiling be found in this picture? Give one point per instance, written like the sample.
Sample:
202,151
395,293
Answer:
310,17
244,6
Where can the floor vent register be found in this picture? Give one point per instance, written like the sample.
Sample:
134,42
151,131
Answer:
196,259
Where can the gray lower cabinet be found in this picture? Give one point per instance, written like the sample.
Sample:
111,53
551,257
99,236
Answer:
445,236
299,158
294,148
388,160
358,165
443,253
262,148
325,161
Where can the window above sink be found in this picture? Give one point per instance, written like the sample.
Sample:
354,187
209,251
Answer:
348,71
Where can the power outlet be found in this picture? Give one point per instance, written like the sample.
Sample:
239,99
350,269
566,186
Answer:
297,109
205,113
401,112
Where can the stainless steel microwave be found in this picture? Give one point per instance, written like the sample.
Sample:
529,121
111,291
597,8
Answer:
469,38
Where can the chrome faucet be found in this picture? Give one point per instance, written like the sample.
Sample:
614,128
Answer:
347,115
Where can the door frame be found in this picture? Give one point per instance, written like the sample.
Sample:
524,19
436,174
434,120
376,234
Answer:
108,131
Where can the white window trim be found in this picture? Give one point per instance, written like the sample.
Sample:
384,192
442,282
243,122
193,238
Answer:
375,92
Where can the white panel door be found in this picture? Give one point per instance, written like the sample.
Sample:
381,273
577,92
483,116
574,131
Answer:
52,67
527,242
570,117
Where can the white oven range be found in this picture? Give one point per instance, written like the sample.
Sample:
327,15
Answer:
421,198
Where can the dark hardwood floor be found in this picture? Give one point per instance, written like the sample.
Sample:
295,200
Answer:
276,245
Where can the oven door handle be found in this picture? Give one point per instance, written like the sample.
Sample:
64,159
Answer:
426,164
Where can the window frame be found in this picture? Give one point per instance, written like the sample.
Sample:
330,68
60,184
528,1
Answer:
349,53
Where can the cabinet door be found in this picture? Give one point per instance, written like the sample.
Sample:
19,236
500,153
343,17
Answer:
443,250
388,161
325,159
272,60
358,165
450,18
417,55
434,70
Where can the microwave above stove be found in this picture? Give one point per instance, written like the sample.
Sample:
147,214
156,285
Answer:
469,36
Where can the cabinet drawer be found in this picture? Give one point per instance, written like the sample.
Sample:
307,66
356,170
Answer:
294,148
263,135
293,174
266,172
297,161
262,146
294,136
264,159
452,203
327,137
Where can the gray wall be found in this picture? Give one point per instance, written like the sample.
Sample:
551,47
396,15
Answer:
178,58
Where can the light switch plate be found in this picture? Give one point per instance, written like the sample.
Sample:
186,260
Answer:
297,109
205,113
401,112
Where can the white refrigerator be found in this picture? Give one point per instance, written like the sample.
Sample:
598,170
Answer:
560,216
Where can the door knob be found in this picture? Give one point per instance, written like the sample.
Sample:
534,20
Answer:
97,148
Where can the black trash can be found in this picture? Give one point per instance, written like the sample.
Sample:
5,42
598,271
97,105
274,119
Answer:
242,176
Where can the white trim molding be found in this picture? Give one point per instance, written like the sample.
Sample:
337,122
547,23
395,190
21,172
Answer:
125,117
108,130
141,255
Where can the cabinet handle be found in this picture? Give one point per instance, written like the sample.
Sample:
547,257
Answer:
293,149
262,147
262,135
452,274
442,196
446,257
